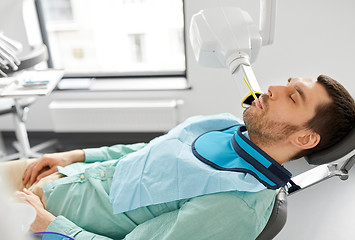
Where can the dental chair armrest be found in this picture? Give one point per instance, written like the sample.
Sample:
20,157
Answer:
323,172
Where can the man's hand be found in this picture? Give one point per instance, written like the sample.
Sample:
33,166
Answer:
43,217
48,163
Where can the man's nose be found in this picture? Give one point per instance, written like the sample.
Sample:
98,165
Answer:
276,92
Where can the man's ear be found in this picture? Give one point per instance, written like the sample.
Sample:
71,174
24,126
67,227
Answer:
306,139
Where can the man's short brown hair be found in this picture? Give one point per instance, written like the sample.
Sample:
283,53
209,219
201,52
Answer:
334,120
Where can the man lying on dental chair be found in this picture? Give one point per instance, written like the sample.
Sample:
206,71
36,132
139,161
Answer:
208,178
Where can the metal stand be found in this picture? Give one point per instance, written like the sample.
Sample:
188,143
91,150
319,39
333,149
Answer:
23,144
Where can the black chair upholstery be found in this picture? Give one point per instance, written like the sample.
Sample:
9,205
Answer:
335,152
278,217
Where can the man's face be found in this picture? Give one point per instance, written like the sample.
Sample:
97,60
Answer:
284,110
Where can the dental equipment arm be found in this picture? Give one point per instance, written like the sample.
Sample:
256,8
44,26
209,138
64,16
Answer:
226,37
8,50
267,21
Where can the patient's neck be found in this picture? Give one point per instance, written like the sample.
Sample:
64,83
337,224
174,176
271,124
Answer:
280,151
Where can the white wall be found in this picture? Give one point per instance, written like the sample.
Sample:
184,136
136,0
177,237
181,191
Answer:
312,37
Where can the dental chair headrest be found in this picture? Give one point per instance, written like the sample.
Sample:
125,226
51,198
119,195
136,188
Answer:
335,152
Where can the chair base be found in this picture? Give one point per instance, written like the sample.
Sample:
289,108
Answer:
22,145
34,152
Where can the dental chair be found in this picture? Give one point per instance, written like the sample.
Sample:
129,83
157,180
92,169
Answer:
333,161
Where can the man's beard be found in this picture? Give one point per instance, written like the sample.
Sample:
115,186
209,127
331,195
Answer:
263,131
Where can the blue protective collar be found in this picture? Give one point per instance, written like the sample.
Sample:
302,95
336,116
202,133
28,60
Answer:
230,150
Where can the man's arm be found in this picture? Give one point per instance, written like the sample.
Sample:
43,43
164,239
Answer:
65,226
108,153
45,221
48,163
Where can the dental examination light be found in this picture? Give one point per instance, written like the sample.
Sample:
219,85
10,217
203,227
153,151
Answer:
226,37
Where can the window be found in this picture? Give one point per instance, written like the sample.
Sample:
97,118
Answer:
58,10
115,36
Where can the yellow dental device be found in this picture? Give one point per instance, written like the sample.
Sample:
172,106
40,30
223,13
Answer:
251,90
248,98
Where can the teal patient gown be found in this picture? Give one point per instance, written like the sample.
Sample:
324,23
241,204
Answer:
85,200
